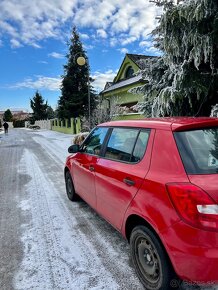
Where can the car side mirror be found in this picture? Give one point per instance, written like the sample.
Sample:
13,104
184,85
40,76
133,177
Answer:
73,148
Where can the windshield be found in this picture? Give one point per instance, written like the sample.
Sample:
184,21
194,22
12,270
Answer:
199,150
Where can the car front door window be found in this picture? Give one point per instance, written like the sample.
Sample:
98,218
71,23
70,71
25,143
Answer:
94,142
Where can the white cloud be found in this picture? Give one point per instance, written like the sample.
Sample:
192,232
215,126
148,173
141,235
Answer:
36,45
84,36
43,62
154,51
102,33
114,41
29,22
149,47
128,40
41,82
53,84
101,78
88,47
145,43
56,55
95,13
15,43
123,50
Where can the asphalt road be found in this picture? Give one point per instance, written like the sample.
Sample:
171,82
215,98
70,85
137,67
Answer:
46,241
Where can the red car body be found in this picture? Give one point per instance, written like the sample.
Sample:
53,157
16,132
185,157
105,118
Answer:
190,241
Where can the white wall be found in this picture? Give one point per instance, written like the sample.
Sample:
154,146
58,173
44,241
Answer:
10,124
44,124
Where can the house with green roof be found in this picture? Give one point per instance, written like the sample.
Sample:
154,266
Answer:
117,94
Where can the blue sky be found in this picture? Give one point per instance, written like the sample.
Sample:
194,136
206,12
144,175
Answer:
34,35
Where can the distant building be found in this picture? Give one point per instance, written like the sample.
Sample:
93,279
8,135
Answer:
118,91
17,114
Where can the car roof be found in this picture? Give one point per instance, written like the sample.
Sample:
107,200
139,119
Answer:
166,123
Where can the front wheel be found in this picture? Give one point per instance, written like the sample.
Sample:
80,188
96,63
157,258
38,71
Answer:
151,261
70,187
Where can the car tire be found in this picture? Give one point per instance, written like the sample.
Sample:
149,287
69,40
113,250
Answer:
151,262
71,194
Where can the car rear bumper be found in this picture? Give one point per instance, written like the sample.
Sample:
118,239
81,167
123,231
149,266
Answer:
193,253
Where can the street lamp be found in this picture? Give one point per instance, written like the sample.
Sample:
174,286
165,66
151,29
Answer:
81,61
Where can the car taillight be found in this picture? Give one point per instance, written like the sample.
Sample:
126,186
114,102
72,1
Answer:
194,205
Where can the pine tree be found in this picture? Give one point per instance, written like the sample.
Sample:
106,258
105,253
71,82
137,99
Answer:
39,107
184,80
76,81
50,112
7,117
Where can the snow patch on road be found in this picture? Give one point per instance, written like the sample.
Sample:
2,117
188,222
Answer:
55,255
24,205
56,144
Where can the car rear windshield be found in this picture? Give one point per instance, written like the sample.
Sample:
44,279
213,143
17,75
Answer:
199,150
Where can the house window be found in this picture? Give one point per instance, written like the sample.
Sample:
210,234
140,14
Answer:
129,72
128,108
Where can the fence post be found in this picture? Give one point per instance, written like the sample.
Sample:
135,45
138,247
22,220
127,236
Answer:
78,125
72,125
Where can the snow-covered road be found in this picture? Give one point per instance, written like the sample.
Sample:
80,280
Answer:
46,241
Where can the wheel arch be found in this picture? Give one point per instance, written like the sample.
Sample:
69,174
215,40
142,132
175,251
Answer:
135,220
66,169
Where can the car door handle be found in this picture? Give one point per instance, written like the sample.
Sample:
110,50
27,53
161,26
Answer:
129,181
91,168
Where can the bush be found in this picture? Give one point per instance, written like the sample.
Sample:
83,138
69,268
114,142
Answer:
18,123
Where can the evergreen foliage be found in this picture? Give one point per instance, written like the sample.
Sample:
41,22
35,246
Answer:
50,113
39,107
184,80
7,117
214,111
75,83
19,123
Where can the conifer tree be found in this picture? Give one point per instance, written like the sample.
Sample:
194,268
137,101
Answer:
7,116
50,112
39,107
184,80
73,101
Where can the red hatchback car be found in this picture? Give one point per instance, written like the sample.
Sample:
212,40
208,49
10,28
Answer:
155,181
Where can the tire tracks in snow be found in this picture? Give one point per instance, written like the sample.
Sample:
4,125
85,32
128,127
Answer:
67,245
105,241
53,252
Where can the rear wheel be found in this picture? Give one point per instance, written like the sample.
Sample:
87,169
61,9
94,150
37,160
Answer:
70,187
151,261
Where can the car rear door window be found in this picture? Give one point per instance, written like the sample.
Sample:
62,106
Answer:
127,144
94,142
199,150
140,146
